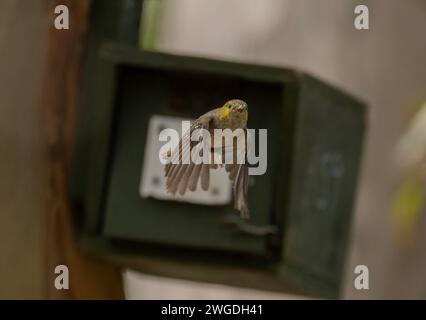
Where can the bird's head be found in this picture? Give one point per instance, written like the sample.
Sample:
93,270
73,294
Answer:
237,109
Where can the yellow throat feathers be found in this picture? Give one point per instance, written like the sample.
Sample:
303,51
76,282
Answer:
224,113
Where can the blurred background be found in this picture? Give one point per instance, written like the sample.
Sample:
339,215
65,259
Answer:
384,66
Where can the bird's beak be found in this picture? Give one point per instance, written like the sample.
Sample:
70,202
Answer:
241,108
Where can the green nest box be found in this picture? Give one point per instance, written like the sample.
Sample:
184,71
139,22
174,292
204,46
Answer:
315,135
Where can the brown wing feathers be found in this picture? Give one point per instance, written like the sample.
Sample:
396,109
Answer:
180,177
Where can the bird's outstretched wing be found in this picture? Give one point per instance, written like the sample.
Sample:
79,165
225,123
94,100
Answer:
182,176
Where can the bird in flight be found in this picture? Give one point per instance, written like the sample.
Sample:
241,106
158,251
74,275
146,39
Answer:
180,177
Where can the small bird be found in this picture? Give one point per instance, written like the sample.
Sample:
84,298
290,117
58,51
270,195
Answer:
180,177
